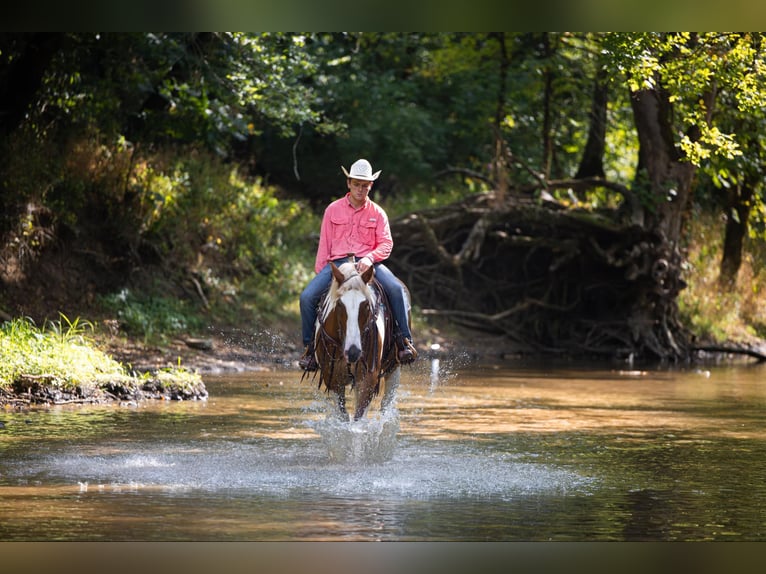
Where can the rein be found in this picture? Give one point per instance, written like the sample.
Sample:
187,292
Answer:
356,274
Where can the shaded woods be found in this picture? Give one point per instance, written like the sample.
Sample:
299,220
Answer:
547,187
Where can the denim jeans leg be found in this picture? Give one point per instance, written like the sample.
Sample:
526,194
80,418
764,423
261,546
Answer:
309,302
397,297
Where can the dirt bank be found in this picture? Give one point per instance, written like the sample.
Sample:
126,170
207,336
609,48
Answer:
276,347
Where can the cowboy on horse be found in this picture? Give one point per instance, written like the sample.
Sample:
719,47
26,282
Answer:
355,228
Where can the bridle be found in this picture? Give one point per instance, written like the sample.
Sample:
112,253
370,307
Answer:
369,336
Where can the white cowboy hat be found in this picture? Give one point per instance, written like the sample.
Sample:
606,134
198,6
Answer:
361,169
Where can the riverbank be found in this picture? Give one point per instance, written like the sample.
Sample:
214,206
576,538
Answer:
175,369
272,347
136,370
41,390
63,363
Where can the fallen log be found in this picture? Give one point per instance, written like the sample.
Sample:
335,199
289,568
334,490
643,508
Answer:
757,352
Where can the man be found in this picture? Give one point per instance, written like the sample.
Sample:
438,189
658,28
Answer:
354,224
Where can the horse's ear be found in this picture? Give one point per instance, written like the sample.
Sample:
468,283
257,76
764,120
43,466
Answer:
368,274
339,277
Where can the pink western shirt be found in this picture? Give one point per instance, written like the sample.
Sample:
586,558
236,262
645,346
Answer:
365,232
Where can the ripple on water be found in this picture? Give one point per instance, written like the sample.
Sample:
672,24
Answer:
348,460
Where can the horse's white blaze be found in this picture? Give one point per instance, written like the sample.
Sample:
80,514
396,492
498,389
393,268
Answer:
351,301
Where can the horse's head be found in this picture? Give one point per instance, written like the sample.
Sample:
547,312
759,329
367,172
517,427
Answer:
351,299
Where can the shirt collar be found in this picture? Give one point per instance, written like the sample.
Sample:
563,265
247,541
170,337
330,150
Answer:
351,205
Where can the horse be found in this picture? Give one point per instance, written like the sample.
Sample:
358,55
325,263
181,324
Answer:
354,343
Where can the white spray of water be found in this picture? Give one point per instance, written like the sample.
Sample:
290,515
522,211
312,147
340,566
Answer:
369,440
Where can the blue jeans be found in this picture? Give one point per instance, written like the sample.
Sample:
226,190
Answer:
312,294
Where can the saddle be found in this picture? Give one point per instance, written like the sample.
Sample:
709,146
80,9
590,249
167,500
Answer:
389,359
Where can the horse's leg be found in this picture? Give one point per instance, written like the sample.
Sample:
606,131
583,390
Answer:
364,393
391,385
341,404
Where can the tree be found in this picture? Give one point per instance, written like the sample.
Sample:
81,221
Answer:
102,133
606,281
734,182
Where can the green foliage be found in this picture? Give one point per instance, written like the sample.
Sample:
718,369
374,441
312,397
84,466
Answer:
389,108
734,314
152,141
152,318
691,67
234,234
69,331
211,88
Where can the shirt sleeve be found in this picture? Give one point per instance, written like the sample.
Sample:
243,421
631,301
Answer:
325,235
384,240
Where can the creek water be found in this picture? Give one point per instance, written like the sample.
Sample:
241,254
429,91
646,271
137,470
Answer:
491,452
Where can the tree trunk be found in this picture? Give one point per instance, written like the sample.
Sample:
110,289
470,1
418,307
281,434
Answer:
500,168
737,214
664,180
663,177
592,162
547,124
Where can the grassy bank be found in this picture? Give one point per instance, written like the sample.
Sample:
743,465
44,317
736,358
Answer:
59,363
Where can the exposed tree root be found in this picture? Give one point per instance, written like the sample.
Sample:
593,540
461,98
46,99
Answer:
551,279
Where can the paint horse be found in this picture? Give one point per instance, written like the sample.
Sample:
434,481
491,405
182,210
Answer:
354,341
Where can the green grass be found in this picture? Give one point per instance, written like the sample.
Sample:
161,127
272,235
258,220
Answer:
63,353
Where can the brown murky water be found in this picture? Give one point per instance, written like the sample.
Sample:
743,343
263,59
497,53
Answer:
501,453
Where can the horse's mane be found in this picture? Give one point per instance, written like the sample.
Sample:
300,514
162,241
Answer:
353,282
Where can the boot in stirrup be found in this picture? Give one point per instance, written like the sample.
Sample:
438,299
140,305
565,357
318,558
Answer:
308,361
406,352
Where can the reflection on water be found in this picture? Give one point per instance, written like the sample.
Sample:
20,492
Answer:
511,452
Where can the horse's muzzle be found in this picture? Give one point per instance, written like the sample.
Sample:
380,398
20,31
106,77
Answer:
353,353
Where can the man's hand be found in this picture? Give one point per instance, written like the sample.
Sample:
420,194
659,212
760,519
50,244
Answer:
363,264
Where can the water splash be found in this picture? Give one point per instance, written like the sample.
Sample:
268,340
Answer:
434,379
370,440
253,347
352,460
